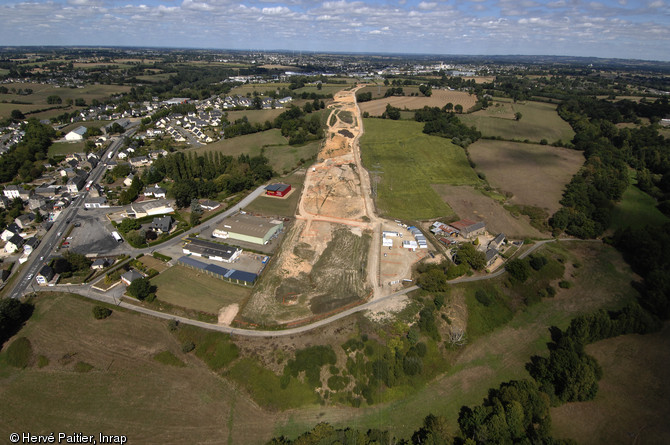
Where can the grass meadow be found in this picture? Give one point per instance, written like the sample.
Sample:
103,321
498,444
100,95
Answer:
636,209
283,157
38,99
188,288
120,375
539,121
65,148
411,161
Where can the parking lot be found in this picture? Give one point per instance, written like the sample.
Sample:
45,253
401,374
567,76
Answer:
93,236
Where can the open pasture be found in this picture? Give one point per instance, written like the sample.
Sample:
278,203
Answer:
283,157
66,148
38,99
191,289
410,162
127,391
439,98
255,116
469,203
538,121
535,174
632,401
636,209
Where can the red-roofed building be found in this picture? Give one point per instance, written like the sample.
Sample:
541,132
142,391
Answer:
278,189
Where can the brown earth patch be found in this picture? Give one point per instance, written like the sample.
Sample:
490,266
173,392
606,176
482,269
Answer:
535,174
439,98
632,402
468,203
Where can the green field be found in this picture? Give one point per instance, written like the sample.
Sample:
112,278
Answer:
539,121
188,288
255,116
65,148
283,157
411,161
38,99
636,209
242,90
272,206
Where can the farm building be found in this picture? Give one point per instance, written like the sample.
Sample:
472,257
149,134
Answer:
231,275
468,228
497,242
213,251
278,189
76,135
490,256
248,228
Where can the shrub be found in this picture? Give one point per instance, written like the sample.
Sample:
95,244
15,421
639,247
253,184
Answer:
172,325
337,382
565,284
101,312
82,367
483,297
518,270
19,352
412,365
537,262
187,347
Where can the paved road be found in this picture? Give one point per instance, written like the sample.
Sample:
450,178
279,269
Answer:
113,297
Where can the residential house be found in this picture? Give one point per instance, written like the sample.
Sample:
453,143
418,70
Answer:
128,181
16,191
497,242
131,276
10,231
139,161
25,220
155,191
208,204
100,264
76,183
30,245
45,275
13,244
162,224
4,202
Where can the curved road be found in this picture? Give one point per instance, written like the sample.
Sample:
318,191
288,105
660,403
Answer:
113,298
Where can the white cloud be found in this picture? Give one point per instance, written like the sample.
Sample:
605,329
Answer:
196,5
425,6
277,10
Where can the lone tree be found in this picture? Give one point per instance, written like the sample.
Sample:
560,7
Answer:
458,108
140,288
517,116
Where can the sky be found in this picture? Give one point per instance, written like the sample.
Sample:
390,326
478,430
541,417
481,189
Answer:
637,29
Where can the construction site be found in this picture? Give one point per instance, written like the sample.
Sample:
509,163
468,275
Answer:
332,257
